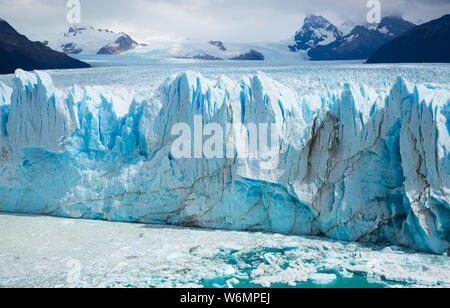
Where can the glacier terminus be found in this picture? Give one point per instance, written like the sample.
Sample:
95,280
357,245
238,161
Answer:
358,161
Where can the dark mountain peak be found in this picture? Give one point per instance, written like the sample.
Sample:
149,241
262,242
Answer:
252,55
426,43
125,39
218,44
392,18
444,18
316,30
76,29
360,30
16,51
122,44
362,41
442,21
394,26
316,21
6,27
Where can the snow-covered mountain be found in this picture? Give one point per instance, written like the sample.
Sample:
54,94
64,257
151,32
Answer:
318,39
316,30
362,41
91,41
321,40
17,51
426,43
346,27
216,50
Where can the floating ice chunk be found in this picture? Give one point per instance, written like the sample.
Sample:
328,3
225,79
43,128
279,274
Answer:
322,279
239,261
231,282
229,270
290,246
270,259
392,249
231,248
290,276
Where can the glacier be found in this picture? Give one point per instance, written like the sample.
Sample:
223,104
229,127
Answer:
355,163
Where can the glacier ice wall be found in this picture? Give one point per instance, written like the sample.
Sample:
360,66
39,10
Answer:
354,165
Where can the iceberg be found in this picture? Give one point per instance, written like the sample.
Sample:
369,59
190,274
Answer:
353,164
322,279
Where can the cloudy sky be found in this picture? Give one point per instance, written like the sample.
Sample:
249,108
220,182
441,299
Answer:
228,20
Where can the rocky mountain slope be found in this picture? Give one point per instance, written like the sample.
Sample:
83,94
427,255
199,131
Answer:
16,51
426,43
91,41
324,41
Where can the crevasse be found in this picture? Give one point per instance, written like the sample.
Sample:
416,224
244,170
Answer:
362,167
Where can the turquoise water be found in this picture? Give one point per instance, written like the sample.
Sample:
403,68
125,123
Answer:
356,282
253,259
340,283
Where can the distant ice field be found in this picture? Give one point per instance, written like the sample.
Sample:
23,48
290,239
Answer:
304,77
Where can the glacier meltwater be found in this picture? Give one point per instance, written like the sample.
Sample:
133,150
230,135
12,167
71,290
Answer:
355,163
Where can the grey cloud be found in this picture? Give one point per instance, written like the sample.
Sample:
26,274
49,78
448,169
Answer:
230,20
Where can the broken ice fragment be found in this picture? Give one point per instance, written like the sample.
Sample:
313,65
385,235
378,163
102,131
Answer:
322,279
270,259
290,246
231,282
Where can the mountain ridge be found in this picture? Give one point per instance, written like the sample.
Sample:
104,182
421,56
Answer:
358,44
17,51
426,43
89,40
315,30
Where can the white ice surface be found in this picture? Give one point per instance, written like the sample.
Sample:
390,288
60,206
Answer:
364,155
55,252
89,40
272,51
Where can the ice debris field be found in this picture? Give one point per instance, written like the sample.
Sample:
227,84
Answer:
59,252
364,150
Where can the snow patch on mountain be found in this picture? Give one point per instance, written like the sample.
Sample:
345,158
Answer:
346,27
216,50
89,41
316,30
321,40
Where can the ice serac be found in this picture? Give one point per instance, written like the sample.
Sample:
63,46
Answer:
5,101
39,116
358,166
